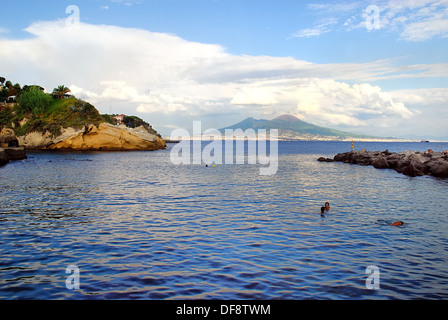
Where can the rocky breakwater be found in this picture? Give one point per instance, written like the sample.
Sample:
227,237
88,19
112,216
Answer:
104,137
410,163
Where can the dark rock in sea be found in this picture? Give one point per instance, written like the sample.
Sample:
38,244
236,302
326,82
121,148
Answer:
438,168
410,163
3,159
15,154
11,154
380,163
322,159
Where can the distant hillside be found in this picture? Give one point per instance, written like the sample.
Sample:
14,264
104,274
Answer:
291,127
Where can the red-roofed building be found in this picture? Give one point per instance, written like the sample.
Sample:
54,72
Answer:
120,118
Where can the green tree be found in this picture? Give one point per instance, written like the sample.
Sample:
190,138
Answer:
33,100
18,88
4,92
60,91
14,90
2,80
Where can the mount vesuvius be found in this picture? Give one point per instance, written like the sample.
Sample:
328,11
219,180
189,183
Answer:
290,127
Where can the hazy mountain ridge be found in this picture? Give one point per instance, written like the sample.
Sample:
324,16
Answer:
292,128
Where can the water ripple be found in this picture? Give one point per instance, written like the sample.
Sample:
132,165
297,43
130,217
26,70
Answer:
158,231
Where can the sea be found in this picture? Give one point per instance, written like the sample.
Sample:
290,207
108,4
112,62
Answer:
136,226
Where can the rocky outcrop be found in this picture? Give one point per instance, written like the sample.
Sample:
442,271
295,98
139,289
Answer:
410,163
11,154
105,137
8,138
3,159
9,150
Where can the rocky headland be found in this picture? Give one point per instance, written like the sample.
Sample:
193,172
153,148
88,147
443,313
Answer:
410,163
57,121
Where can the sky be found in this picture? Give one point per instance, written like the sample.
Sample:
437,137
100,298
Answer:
375,67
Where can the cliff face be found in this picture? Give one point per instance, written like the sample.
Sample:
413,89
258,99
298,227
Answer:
105,137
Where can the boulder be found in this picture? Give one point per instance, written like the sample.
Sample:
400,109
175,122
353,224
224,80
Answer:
3,158
15,154
438,168
341,157
322,159
8,138
380,163
392,161
11,154
413,170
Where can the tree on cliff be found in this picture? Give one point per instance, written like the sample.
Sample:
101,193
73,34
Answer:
33,100
2,80
61,91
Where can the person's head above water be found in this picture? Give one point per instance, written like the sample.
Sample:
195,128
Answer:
322,212
327,206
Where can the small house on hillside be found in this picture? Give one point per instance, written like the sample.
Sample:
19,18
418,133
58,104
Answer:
12,99
120,118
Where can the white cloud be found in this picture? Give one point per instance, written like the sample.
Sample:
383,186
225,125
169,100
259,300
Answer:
320,28
412,20
132,70
127,2
327,101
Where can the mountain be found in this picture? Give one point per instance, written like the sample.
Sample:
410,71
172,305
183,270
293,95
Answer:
291,127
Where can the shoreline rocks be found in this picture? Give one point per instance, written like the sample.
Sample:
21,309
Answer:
11,154
410,163
8,138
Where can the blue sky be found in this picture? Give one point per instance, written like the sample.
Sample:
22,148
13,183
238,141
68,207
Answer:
219,61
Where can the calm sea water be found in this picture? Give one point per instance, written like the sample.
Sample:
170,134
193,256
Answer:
139,227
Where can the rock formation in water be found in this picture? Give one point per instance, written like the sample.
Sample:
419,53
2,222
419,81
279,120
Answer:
8,138
11,154
104,137
410,163
9,150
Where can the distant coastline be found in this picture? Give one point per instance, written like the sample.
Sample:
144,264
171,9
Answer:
303,139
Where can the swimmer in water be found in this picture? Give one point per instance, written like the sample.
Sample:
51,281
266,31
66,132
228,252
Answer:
390,223
322,211
327,206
